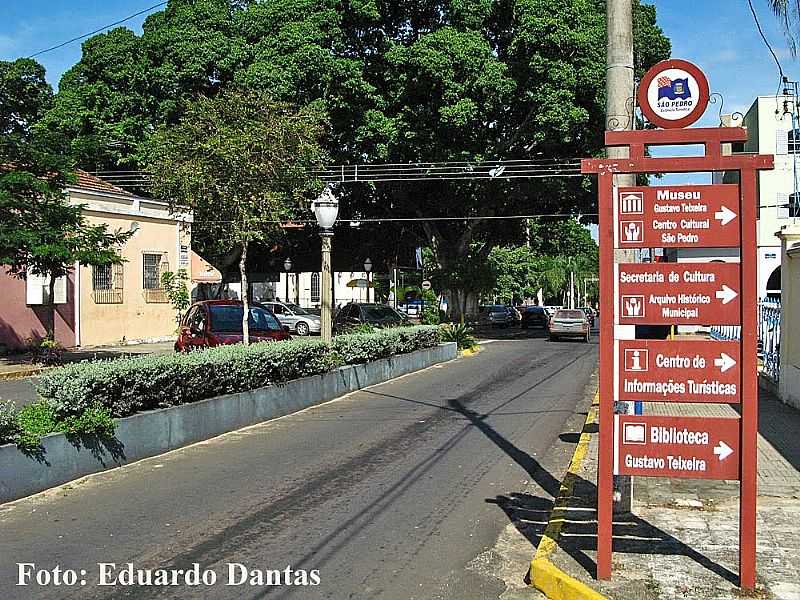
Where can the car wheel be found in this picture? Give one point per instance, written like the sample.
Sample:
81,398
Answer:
302,328
553,338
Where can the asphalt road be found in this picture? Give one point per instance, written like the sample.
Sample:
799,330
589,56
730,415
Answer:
400,491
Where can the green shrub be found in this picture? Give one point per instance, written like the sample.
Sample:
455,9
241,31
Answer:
8,422
459,333
45,351
35,421
129,385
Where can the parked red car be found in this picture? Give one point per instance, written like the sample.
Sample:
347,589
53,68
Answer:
219,322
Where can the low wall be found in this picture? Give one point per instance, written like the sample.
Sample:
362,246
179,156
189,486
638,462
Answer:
158,431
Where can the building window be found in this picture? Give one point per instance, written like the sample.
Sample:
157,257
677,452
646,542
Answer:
37,289
794,205
314,288
153,266
107,284
792,142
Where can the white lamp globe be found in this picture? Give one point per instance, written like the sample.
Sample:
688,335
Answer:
326,209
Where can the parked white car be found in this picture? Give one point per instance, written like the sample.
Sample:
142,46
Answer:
299,320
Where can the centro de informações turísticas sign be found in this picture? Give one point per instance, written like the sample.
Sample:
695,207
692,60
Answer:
686,447
678,371
683,216
678,293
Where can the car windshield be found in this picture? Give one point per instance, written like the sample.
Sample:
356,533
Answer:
298,310
569,314
379,312
498,308
227,318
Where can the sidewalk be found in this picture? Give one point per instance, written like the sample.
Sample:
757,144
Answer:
18,365
682,540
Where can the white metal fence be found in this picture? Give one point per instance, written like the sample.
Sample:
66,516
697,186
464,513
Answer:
769,336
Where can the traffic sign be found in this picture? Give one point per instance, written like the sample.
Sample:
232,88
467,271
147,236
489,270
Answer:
683,216
687,447
678,293
426,285
678,371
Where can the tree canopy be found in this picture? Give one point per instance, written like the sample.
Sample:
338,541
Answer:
399,81
243,163
40,232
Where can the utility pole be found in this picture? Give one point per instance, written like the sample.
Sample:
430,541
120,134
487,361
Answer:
620,96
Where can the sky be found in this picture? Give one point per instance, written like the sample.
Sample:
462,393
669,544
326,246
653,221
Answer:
717,35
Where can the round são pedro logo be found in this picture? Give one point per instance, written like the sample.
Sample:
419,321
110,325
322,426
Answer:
673,93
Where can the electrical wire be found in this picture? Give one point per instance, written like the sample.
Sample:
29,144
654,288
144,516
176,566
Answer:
85,35
418,219
766,43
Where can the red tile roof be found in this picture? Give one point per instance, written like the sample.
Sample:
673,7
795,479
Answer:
85,181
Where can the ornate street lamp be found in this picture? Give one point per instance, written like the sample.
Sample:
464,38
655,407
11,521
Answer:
326,209
287,266
368,270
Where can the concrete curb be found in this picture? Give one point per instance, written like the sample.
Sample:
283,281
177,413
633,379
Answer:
62,459
544,575
22,373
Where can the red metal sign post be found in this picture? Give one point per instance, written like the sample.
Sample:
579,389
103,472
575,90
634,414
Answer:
678,293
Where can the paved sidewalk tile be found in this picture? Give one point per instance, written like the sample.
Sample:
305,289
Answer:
682,541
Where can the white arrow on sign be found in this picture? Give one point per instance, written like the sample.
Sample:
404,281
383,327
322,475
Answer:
724,362
726,294
725,216
723,450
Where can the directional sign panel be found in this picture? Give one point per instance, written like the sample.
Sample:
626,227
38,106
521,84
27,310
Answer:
678,371
688,447
680,216
678,294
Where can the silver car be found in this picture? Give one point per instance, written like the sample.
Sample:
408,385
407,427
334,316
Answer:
299,320
570,323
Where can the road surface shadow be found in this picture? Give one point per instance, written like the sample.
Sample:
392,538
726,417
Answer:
631,534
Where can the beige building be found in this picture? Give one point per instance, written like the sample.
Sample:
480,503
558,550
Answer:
110,304
125,302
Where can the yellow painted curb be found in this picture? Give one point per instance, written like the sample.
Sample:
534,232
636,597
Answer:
471,351
544,575
22,373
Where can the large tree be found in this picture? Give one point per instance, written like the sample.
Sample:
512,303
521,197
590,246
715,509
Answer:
243,163
40,232
400,81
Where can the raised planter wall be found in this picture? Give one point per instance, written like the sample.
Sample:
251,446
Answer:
158,431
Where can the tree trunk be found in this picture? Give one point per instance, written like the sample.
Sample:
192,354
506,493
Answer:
245,298
51,305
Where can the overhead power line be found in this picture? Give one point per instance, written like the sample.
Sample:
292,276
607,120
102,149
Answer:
86,35
421,171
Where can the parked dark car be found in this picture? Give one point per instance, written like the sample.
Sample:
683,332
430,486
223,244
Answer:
570,323
219,322
496,315
534,316
354,314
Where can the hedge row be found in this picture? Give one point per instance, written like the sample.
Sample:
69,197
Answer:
126,386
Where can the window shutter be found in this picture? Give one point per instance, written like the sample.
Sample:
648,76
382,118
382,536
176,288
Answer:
34,288
781,141
782,200
60,290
